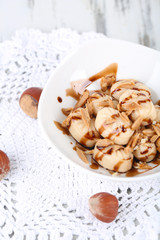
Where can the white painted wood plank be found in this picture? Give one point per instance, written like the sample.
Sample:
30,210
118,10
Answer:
137,21
14,14
73,13
133,20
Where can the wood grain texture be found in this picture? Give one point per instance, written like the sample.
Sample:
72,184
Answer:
132,20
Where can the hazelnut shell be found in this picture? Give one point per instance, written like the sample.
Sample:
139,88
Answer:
104,206
29,101
4,164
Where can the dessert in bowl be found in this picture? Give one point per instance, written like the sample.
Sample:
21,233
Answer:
114,124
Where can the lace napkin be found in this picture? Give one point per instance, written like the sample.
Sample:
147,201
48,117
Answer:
44,197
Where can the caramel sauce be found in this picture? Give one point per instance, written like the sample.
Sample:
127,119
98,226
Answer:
126,99
158,103
144,152
116,90
71,93
59,99
91,135
114,116
148,120
134,172
156,161
134,88
117,166
123,128
115,132
144,90
109,152
143,159
143,101
122,102
101,129
74,148
83,141
73,118
139,102
88,136
94,165
141,94
61,128
98,158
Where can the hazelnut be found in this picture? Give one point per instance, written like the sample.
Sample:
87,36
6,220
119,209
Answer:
29,101
158,103
4,164
104,206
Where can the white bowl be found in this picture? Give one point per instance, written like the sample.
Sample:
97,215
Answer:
134,61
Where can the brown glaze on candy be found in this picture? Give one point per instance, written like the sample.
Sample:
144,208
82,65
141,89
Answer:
144,159
88,136
83,141
116,90
29,101
4,164
144,90
99,158
139,102
149,121
117,166
144,101
126,99
146,151
114,116
101,129
117,131
109,152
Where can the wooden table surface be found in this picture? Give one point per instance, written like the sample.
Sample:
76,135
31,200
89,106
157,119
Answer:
133,20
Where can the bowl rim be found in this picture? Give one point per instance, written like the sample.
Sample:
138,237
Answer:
61,154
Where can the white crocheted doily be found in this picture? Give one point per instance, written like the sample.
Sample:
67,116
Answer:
43,197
